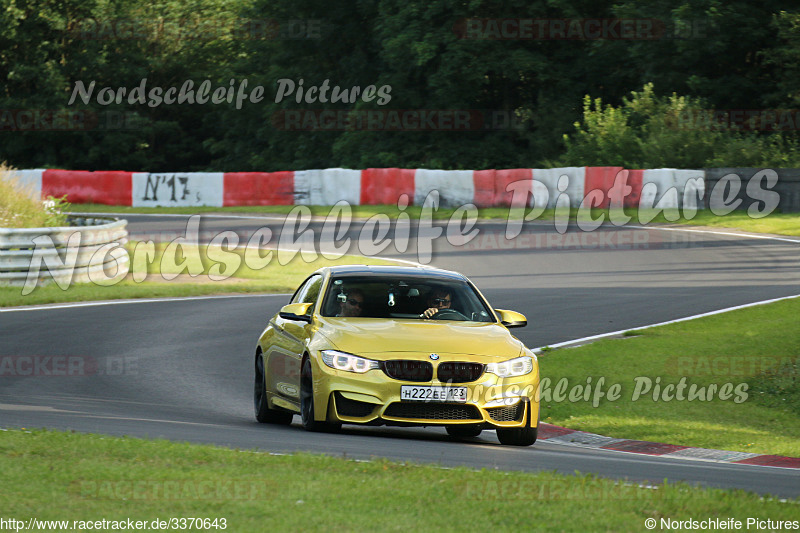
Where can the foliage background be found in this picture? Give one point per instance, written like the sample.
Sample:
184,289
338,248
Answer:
574,102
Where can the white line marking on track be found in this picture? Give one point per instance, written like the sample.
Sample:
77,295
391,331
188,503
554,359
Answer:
684,319
279,218
715,232
283,218
158,420
132,301
178,215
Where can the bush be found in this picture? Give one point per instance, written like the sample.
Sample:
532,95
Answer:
648,131
19,207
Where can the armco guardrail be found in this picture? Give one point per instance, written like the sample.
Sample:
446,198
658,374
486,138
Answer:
787,186
88,249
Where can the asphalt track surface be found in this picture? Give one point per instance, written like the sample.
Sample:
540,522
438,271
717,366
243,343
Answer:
182,370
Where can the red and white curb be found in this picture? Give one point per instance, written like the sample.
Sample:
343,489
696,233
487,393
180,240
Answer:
572,437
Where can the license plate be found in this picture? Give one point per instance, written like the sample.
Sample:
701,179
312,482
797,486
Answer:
411,393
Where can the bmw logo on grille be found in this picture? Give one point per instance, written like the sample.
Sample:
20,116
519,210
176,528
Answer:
434,356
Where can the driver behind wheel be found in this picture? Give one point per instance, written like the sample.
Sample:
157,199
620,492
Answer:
352,304
437,300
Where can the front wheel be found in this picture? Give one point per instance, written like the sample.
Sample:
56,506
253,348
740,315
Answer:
264,414
307,408
524,436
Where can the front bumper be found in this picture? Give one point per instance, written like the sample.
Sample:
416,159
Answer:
374,398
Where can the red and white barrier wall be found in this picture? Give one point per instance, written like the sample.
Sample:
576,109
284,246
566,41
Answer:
583,186
328,186
258,188
30,180
112,187
386,185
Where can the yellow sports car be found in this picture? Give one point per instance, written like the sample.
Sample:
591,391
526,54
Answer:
402,346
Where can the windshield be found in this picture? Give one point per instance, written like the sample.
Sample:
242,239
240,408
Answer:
412,298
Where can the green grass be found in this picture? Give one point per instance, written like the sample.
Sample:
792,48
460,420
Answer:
777,223
757,347
282,274
87,292
358,211
19,209
280,268
69,476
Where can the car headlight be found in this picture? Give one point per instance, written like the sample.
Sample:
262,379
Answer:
348,362
511,368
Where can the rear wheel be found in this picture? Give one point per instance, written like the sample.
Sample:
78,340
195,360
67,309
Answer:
307,408
463,432
263,413
524,436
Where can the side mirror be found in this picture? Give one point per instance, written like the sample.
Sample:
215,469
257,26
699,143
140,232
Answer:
511,319
299,312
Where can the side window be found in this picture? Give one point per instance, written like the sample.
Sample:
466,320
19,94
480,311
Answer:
298,294
309,291
312,292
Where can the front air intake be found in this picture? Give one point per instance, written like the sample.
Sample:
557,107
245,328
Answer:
353,408
432,411
512,413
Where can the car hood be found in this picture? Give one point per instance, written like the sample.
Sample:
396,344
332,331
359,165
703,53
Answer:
388,336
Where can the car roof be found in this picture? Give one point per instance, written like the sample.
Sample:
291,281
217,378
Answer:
392,270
